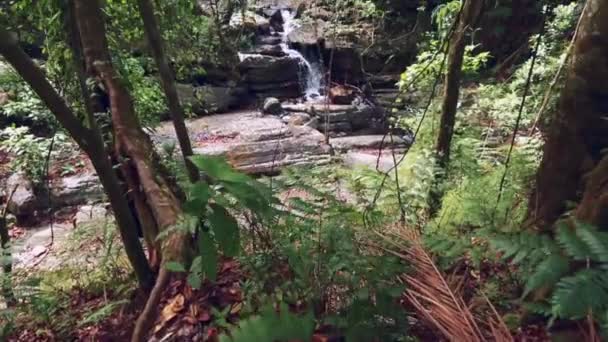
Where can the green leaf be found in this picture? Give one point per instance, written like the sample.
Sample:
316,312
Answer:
596,240
195,278
198,196
571,242
225,229
217,168
575,296
175,267
208,254
547,273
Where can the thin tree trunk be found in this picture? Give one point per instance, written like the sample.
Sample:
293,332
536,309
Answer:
146,10
574,167
85,138
470,13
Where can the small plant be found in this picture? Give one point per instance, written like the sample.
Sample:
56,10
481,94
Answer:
572,266
28,151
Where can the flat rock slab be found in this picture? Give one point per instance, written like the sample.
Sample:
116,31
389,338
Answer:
367,142
253,143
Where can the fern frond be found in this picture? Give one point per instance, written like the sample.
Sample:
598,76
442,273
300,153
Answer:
596,240
547,273
577,295
571,243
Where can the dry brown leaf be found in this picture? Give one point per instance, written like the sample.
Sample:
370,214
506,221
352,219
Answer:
236,308
170,311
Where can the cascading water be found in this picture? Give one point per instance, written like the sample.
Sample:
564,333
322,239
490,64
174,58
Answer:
312,76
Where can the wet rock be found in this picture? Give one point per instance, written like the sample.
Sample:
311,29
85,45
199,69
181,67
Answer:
76,190
341,95
343,118
213,99
272,106
210,99
250,22
24,201
307,34
346,65
271,76
268,40
270,50
367,142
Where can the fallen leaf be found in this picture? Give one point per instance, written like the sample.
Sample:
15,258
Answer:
236,308
170,311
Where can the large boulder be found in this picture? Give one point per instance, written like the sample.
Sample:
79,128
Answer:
250,22
215,99
77,189
210,99
343,118
307,33
23,202
271,76
272,106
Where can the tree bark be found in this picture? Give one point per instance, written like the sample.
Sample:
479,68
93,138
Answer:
136,151
88,141
467,19
471,12
574,167
146,10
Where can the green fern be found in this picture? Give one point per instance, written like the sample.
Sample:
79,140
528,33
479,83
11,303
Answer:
547,273
578,295
273,326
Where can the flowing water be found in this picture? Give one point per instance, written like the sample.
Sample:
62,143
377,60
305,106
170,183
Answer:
311,78
311,74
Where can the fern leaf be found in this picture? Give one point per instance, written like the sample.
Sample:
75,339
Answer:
575,296
596,240
571,243
547,273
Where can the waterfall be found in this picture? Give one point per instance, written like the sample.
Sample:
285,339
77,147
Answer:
311,80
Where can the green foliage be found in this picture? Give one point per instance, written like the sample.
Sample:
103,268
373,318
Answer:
314,256
146,91
577,289
24,106
209,207
271,325
29,152
422,74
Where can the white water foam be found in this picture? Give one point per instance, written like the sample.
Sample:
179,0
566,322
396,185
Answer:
311,81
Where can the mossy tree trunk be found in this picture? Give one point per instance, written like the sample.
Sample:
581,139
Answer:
574,168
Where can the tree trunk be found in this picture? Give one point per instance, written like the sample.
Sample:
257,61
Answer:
574,168
89,143
136,152
146,10
470,13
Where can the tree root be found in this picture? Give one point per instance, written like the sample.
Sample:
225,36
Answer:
148,316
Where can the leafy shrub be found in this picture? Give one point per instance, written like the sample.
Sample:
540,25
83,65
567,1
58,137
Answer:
24,106
29,152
